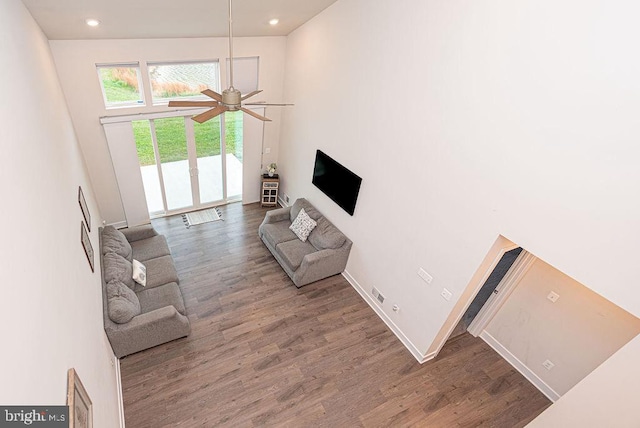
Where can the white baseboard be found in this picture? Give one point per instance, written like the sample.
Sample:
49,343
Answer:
520,366
394,328
120,396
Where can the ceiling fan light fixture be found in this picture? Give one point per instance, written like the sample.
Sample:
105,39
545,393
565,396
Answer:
231,98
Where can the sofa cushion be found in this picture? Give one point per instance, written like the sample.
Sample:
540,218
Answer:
309,209
326,235
160,271
159,297
113,241
117,268
122,303
292,252
275,233
150,248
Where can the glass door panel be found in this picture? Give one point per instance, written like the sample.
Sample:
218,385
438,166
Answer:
209,160
234,139
184,165
174,160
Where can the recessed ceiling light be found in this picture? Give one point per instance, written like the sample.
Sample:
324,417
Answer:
274,21
92,22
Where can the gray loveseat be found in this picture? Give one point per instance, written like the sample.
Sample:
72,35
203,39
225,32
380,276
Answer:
137,317
325,252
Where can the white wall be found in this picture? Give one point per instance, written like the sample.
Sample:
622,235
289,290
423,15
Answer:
467,120
76,64
576,333
51,307
608,397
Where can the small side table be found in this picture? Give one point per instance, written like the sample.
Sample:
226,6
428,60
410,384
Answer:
269,193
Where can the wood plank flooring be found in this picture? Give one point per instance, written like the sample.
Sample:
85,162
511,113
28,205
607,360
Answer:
264,353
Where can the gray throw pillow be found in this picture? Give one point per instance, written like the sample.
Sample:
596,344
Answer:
122,302
117,268
114,241
309,209
326,235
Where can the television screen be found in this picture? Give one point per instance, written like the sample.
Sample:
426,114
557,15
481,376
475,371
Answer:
336,181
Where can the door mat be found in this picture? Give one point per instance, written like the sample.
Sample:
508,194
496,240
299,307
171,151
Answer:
199,217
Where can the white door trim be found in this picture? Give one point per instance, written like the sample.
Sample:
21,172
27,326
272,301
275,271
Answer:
499,252
502,292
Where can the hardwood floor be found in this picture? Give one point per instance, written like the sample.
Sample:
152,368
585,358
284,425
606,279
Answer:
264,353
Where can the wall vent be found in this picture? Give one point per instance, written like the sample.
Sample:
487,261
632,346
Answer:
379,297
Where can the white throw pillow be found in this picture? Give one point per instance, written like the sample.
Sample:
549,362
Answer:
139,273
303,225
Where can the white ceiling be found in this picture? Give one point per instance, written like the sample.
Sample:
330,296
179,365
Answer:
143,19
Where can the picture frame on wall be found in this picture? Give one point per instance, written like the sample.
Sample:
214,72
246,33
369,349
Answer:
86,244
83,207
79,402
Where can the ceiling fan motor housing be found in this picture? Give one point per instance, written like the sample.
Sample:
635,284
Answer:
232,98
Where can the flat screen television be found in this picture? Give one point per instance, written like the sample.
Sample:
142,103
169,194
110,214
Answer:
336,181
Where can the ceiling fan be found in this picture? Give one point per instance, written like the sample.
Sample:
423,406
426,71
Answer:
231,99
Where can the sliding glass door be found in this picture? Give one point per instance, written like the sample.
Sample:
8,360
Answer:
184,166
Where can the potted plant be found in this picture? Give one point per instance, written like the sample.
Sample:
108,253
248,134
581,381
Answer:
271,169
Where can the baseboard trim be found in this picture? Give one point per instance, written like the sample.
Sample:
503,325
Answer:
119,386
392,326
520,366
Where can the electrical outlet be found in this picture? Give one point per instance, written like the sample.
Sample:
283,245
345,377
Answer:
548,364
425,276
553,296
446,294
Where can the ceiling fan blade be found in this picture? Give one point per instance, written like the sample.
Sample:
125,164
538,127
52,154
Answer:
212,94
209,114
250,94
266,104
254,114
193,103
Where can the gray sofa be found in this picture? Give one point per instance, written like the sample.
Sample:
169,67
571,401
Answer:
325,252
137,317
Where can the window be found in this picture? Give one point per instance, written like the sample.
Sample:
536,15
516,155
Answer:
182,80
120,85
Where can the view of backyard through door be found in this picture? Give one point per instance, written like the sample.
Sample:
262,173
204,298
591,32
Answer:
184,166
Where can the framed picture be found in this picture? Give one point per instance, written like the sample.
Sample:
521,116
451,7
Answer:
86,244
80,407
84,208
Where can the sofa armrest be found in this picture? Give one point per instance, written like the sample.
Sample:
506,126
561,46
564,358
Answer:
321,264
138,233
147,330
277,215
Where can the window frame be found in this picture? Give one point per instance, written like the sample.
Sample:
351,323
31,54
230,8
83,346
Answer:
110,105
165,101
